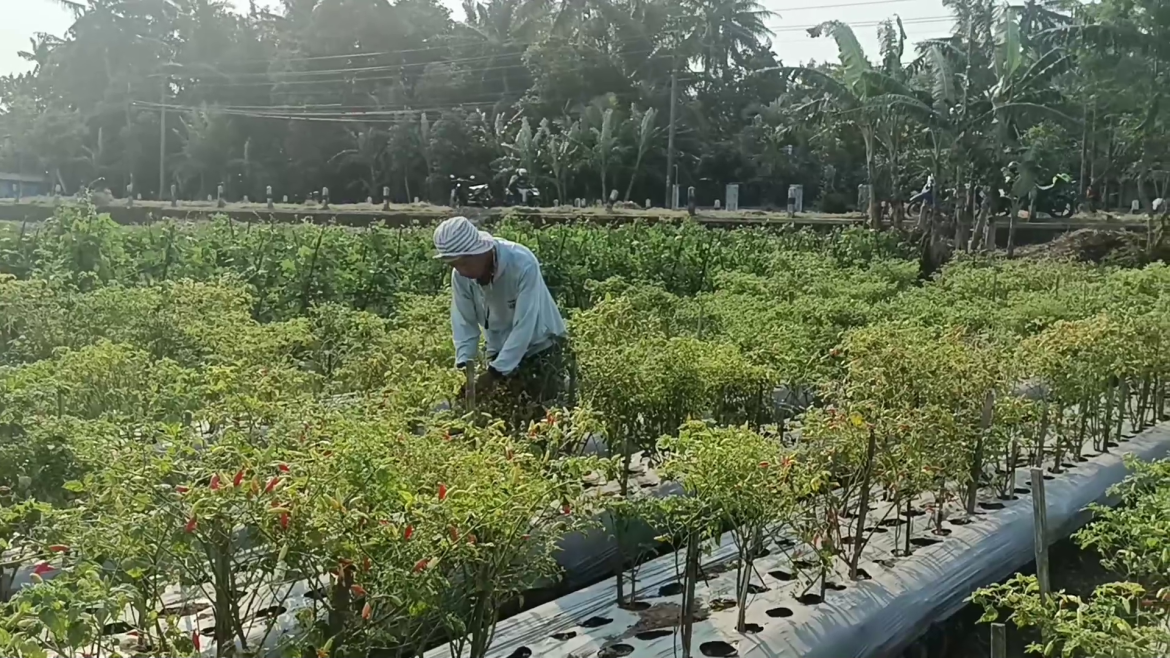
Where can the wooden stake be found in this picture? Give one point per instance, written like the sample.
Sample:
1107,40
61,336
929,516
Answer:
863,506
998,641
1040,527
977,456
469,390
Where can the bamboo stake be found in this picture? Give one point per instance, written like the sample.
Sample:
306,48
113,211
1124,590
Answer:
1040,527
998,641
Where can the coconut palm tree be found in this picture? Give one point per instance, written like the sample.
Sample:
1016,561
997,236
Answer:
717,32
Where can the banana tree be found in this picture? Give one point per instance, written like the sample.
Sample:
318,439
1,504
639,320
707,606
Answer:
644,136
367,151
560,153
850,98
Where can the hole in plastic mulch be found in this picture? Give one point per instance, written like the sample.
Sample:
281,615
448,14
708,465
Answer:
836,587
616,651
184,610
915,512
924,541
805,564
779,613
810,599
991,507
635,606
1005,497
720,604
207,632
962,520
1068,465
1082,459
116,628
785,542
942,532
862,574
567,635
673,589
892,523
876,529
596,622
754,588
1022,491
654,635
267,613
752,628
717,649
1112,444
781,575
521,652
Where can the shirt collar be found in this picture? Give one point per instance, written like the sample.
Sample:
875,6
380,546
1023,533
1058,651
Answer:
501,261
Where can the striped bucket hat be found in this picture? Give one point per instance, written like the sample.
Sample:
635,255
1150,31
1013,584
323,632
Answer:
458,237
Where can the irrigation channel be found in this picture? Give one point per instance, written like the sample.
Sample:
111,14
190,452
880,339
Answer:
895,601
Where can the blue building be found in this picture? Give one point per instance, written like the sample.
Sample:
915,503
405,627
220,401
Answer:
27,184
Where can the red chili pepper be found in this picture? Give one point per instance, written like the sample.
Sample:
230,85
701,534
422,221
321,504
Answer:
271,486
238,479
509,454
442,492
284,521
181,489
58,548
764,464
421,565
454,534
471,539
367,612
195,638
284,468
215,482
567,510
190,527
409,532
525,537
366,564
447,435
43,568
358,590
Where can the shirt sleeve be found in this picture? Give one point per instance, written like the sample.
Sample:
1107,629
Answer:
523,323
464,325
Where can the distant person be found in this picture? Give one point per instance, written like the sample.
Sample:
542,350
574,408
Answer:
497,287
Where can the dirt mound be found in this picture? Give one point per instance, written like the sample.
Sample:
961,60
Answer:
1107,246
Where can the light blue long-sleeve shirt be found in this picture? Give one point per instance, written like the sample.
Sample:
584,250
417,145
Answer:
516,310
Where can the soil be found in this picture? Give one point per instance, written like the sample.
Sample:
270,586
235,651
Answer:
962,636
1106,246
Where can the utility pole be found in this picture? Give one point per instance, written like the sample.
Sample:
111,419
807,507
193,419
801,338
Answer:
162,138
670,168
162,114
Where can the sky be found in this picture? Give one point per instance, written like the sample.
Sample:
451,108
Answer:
923,19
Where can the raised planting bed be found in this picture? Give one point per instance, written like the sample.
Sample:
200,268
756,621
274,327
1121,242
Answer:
894,601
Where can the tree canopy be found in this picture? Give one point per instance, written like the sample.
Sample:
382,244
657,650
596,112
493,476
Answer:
357,95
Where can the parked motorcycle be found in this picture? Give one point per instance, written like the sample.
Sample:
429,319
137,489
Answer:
466,192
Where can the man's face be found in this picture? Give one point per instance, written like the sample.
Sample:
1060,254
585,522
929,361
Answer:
472,267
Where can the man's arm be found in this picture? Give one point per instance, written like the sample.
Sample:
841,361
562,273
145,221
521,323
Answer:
464,324
523,323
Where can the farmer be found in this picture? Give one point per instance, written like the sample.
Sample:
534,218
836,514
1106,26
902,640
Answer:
497,285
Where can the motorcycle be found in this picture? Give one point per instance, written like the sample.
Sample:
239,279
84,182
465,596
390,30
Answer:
480,196
523,196
465,193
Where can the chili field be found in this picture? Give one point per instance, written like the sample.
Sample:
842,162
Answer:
232,439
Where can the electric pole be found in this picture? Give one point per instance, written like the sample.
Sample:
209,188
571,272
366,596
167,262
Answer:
670,168
162,111
162,139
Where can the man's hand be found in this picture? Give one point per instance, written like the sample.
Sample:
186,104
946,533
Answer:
484,383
